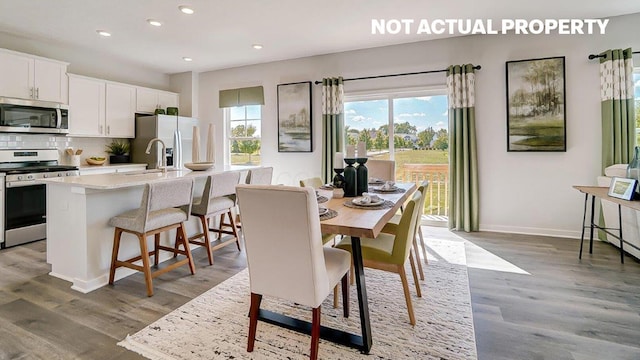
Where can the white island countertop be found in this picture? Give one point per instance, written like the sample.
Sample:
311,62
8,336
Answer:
125,180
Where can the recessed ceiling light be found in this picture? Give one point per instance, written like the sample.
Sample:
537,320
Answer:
103,33
187,59
154,22
185,9
256,46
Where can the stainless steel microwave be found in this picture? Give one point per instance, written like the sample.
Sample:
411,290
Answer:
33,116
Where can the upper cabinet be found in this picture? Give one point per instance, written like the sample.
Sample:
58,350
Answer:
101,108
30,77
148,100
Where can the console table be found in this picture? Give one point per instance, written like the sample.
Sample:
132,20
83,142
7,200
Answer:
602,193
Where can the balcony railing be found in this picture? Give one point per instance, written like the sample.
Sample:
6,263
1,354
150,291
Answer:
437,201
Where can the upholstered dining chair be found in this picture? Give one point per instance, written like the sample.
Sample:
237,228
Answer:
390,252
382,169
218,198
292,233
257,176
314,182
392,226
165,206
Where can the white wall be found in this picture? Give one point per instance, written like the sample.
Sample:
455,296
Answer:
88,63
528,192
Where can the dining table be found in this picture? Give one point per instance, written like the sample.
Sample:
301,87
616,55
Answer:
356,222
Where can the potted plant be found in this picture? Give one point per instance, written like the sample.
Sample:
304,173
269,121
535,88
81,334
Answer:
119,151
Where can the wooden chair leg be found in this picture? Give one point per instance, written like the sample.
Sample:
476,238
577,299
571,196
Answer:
184,240
335,297
345,295
253,320
416,251
415,274
145,264
315,333
220,226
156,250
205,231
422,244
234,229
176,244
407,295
114,254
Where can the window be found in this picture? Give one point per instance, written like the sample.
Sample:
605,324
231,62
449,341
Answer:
244,130
417,122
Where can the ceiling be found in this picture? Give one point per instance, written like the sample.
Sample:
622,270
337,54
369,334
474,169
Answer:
220,34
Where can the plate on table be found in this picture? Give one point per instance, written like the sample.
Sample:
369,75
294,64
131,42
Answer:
374,181
389,189
327,187
322,211
357,201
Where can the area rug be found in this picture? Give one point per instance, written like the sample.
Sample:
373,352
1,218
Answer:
214,325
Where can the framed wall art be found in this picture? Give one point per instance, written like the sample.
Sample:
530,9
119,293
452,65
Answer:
622,188
536,118
294,117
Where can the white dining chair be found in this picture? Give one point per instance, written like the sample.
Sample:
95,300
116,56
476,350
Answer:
285,255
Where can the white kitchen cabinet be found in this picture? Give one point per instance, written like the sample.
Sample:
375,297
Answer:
148,100
101,108
86,106
30,77
121,108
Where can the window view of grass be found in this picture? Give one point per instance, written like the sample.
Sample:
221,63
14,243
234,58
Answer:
418,127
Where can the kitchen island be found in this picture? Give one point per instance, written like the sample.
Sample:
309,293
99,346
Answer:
79,238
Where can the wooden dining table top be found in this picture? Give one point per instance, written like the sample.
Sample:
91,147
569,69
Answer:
363,222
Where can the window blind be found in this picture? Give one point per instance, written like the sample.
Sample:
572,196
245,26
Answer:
241,96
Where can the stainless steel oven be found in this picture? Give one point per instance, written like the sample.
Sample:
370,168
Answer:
17,115
25,199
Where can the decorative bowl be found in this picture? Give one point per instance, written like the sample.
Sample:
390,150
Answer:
199,166
91,161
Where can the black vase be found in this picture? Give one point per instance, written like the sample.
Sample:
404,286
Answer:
350,178
338,180
362,176
119,159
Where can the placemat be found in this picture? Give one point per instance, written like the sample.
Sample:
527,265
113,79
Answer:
386,205
329,215
322,199
396,191
327,187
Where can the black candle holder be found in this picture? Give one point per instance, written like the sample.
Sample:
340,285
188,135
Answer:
350,178
362,176
338,179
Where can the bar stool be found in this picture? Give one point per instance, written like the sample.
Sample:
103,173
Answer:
256,176
218,198
165,206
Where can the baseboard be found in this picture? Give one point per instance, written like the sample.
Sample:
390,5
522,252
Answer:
534,231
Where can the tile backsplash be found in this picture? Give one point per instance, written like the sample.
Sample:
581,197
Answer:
90,146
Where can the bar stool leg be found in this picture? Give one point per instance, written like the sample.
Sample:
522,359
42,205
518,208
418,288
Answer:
183,236
114,254
156,250
207,241
145,264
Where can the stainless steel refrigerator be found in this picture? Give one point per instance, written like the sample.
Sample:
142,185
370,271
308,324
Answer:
178,143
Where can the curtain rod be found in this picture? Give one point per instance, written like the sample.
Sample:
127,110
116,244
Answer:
592,56
477,67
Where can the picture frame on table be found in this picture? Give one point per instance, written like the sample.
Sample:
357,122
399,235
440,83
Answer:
536,99
295,117
622,188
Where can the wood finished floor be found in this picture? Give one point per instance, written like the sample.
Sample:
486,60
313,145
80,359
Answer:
565,308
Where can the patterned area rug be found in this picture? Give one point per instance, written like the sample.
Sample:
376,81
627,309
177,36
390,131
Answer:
215,324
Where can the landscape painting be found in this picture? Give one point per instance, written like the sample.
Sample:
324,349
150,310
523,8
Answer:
294,117
536,105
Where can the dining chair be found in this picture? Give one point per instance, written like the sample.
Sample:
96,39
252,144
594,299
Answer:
257,176
165,206
390,252
314,182
382,169
218,198
285,255
392,226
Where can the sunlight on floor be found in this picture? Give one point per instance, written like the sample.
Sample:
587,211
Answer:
477,257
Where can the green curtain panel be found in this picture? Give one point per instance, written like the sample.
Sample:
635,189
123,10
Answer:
332,123
463,160
618,116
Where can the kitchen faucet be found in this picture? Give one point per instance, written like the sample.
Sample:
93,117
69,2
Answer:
164,150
